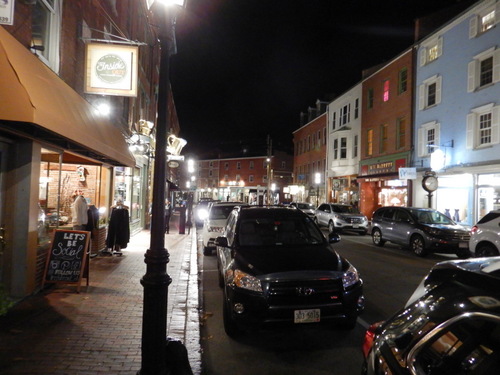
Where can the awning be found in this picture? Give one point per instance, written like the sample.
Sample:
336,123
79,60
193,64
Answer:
37,104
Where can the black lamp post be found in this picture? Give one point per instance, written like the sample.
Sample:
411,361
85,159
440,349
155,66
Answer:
156,280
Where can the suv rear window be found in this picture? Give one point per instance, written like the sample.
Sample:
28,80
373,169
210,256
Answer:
488,217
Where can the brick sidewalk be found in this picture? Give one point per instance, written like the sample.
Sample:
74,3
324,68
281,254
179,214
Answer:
99,330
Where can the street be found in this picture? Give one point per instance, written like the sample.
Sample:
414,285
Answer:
390,275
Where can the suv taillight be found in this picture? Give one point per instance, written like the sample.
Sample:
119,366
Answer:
474,229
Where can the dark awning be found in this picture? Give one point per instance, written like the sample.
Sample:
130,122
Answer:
37,104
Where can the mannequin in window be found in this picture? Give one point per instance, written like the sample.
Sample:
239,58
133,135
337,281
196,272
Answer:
119,228
79,215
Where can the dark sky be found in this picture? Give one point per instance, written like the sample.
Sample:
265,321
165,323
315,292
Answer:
247,68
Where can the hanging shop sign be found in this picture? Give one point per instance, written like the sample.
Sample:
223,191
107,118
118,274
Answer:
67,260
111,69
7,12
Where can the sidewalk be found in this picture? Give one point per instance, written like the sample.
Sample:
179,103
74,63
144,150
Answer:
99,330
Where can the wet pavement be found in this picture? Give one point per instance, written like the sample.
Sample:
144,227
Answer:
99,330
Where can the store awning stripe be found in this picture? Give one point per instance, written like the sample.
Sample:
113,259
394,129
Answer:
32,93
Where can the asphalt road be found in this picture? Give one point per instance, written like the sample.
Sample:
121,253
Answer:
390,275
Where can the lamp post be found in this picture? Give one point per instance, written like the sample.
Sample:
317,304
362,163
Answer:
156,280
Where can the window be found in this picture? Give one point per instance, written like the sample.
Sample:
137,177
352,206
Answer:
483,70
401,133
402,80
283,164
251,164
430,92
356,108
250,178
383,138
210,173
386,90
45,26
238,177
369,142
370,99
431,51
226,166
483,127
210,164
238,165
324,136
344,114
335,149
428,136
355,147
319,138
264,178
334,120
308,143
343,148
481,23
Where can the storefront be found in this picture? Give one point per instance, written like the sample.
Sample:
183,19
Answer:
52,143
379,184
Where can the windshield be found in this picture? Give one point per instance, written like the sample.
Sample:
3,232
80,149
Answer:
346,209
431,217
305,206
276,232
220,212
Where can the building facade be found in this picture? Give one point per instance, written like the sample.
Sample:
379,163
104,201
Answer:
457,114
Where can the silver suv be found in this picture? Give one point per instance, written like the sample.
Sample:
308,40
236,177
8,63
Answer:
339,217
485,237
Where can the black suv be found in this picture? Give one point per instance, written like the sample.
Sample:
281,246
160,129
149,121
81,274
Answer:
422,229
450,326
276,266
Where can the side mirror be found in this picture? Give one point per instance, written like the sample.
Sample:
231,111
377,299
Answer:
221,241
333,237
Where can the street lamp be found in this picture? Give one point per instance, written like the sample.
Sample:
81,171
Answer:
156,280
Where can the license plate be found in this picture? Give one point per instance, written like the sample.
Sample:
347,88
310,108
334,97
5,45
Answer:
463,245
307,316
355,226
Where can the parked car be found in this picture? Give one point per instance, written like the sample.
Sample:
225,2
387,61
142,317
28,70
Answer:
339,217
485,236
451,324
276,266
215,222
307,208
424,230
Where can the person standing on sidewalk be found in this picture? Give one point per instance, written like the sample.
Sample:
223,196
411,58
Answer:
168,213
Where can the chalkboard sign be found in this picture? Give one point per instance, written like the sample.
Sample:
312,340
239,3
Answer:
67,257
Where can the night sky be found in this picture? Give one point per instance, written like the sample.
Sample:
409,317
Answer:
247,68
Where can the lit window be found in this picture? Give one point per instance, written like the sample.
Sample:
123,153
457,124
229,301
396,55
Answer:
483,127
431,51
386,90
487,21
369,142
484,69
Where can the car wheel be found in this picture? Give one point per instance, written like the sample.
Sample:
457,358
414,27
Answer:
417,245
377,237
486,250
331,226
230,326
207,250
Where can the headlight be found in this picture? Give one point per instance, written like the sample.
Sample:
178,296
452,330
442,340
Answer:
202,214
350,277
432,231
245,281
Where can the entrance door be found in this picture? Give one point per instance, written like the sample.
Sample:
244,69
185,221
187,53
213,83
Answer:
3,167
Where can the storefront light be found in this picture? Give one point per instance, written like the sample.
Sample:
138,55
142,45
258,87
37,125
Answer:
438,159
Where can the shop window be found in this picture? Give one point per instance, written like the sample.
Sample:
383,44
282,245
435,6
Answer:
483,127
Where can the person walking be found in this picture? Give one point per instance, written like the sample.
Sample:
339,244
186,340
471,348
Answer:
168,213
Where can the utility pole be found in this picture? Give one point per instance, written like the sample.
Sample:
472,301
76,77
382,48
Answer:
269,156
